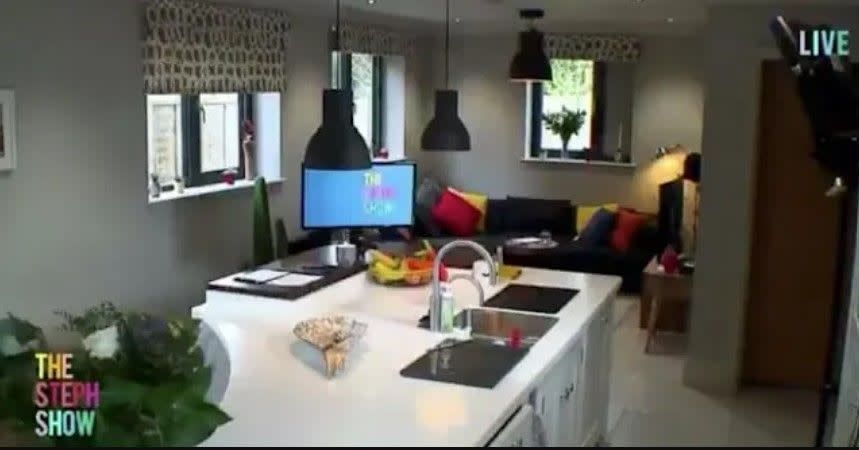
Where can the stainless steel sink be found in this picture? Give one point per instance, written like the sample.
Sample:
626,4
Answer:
495,325
485,359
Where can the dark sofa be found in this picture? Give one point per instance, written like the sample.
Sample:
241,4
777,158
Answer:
514,217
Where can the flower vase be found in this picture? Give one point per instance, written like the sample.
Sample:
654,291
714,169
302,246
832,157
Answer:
670,260
565,154
248,147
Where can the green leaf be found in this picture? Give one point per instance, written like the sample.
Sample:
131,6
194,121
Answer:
165,397
17,378
121,392
193,421
111,433
200,381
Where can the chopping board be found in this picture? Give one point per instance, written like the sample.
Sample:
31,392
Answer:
473,363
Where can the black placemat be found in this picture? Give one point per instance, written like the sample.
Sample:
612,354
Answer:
547,300
292,292
474,363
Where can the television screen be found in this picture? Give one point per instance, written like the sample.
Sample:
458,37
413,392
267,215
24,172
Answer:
380,197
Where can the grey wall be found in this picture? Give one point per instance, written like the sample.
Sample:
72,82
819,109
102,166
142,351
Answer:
666,107
75,226
736,42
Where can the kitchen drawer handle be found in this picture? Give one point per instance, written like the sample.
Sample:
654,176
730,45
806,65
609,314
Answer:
568,391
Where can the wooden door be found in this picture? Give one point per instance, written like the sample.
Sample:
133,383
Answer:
794,246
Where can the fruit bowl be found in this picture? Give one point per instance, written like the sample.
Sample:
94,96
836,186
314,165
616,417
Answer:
395,270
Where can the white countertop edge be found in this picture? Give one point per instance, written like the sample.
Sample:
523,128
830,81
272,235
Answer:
546,355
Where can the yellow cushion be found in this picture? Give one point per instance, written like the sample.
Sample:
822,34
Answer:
584,213
476,200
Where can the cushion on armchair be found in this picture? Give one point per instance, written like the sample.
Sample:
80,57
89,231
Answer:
626,225
476,200
455,215
598,230
585,212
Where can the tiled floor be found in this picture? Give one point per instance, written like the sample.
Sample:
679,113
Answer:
650,406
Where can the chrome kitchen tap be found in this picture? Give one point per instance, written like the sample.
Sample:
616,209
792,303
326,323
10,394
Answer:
435,294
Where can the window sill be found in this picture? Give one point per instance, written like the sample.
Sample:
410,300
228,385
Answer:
580,162
210,189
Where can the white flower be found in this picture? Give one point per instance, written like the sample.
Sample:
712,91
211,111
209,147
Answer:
103,344
9,346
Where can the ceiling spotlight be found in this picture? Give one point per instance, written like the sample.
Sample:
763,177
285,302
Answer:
670,20
458,19
371,2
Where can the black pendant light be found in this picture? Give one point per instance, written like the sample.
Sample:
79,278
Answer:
337,145
446,132
530,62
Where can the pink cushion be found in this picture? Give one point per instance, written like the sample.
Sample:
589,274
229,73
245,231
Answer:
455,215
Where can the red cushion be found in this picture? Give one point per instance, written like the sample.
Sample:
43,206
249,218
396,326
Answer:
455,215
626,225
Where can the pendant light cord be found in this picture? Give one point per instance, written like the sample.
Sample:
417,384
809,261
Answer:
338,53
446,45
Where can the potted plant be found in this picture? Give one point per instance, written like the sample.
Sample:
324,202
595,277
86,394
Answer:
151,377
565,124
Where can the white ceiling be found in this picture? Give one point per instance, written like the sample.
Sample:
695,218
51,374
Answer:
502,15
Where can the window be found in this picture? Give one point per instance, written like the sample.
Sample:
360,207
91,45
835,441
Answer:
366,74
196,137
577,85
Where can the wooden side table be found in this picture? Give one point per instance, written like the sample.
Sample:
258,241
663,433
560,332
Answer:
664,301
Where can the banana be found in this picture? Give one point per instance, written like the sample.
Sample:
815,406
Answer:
385,259
384,274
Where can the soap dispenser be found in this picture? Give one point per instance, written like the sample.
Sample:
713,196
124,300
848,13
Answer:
448,305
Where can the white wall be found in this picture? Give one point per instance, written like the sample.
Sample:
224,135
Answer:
666,108
736,42
75,226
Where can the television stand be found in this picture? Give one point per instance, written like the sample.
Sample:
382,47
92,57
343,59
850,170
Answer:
346,253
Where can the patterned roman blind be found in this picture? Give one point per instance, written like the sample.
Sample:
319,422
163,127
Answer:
597,47
377,41
192,46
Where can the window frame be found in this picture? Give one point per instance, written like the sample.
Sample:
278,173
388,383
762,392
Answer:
191,143
535,121
378,92
153,101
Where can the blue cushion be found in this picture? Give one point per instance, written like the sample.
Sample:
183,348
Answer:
598,230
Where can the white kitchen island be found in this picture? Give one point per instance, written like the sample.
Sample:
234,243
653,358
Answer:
273,385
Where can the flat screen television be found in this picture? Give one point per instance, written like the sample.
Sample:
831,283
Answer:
382,196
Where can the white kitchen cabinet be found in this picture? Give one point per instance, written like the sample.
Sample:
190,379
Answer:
597,367
556,400
519,431
571,403
547,404
571,399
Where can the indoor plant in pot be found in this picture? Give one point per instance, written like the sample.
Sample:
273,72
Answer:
146,382
565,123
